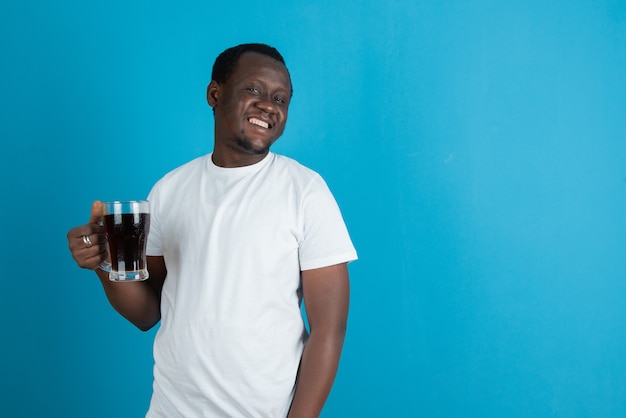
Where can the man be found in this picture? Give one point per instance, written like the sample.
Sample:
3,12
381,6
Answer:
237,239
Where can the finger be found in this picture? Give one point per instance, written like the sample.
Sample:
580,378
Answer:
92,231
90,257
97,211
87,246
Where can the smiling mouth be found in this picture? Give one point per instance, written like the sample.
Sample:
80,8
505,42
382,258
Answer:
259,122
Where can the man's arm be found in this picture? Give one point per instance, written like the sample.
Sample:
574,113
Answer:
139,302
326,294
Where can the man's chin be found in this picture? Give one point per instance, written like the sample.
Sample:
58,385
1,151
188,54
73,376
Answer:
253,148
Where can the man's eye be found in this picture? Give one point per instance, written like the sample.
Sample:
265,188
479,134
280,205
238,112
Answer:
253,90
280,100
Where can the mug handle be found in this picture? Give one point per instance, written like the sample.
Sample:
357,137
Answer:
106,266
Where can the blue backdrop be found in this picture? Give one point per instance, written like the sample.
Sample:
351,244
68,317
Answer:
477,150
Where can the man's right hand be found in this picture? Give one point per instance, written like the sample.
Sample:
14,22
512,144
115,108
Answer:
88,243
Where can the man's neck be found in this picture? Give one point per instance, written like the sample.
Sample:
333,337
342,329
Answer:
234,159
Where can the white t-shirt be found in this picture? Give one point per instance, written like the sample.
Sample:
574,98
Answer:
234,242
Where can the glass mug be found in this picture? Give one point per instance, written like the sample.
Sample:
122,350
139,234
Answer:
126,226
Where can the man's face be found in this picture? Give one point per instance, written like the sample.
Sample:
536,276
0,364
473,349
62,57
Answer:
251,106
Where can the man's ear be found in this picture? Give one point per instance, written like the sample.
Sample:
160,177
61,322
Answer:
213,93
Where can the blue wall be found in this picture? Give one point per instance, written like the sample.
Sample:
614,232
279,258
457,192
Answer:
477,150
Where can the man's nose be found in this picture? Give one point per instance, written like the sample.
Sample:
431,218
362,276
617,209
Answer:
266,104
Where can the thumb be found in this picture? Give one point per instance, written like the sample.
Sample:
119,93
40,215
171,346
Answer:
97,211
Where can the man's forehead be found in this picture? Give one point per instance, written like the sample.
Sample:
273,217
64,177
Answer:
252,60
254,64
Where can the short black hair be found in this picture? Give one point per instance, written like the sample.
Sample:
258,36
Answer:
226,62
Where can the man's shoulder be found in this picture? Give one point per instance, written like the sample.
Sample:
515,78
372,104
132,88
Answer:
185,169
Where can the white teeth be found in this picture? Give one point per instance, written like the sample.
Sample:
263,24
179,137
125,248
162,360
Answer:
259,122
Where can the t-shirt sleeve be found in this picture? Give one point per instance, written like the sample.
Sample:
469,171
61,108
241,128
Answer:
325,239
154,246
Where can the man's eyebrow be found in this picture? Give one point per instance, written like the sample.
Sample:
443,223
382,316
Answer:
287,88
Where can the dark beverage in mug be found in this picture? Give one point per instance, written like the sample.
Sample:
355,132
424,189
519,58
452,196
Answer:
126,226
126,234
